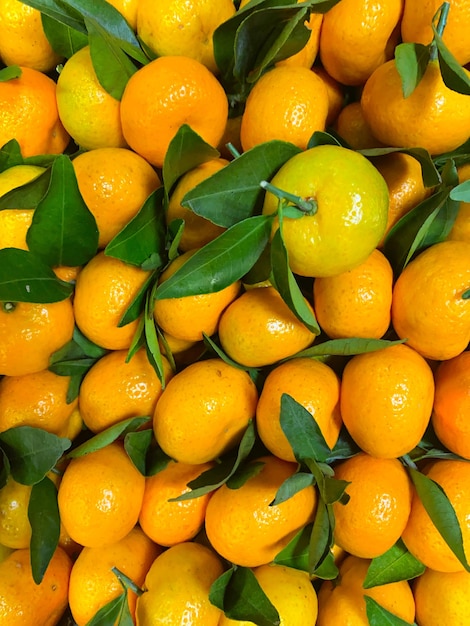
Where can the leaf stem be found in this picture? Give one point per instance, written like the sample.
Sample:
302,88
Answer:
126,582
308,206
233,151
441,17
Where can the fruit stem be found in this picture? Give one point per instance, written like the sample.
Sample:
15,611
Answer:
233,151
8,307
442,12
307,206
126,582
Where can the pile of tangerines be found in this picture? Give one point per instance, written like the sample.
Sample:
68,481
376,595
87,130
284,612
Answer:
234,312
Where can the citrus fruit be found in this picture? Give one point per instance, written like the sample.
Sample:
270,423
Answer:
306,56
177,587
312,384
421,536
353,128
386,400
452,404
356,303
373,519
165,94
92,581
30,333
349,214
190,317
357,37
128,9
114,183
442,598
105,288
342,601
423,118
335,91
15,528
429,308
100,496
88,112
461,227
179,27
258,328
29,114
115,389
245,527
204,411
287,103
170,522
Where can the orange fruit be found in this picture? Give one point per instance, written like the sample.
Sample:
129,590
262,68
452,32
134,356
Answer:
442,598
204,411
22,601
105,288
312,384
349,216
114,183
353,128
88,112
335,91
15,528
30,333
386,400
259,329
373,519
22,38
177,586
197,230
165,94
427,305
167,522
421,537
433,117
306,56
370,30
452,404
29,114
288,103
115,389
39,400
128,9
342,601
461,227
92,581
417,19
190,317
244,526
356,303
100,496
178,27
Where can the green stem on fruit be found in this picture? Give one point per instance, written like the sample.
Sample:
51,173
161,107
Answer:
8,307
441,17
233,151
307,205
126,582
408,461
466,295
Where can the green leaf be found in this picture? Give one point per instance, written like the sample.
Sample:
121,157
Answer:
43,515
327,568
9,73
137,305
378,616
142,241
5,469
321,537
65,41
461,193
411,60
63,230
137,445
31,452
323,138
302,431
295,554
453,75
151,336
107,436
110,612
233,193
29,195
156,459
244,473
394,565
221,262
291,486
344,448
429,171
10,155
284,281
25,278
441,512
345,347
240,596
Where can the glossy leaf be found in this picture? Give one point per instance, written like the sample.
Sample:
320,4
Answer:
411,60
31,452
295,554
10,154
394,565
461,193
321,537
29,195
233,193
137,445
377,615
107,436
65,41
108,614
10,72
453,75
136,306
150,333
292,485
240,596
345,347
244,473
302,431
221,262
43,515
323,138
344,448
429,171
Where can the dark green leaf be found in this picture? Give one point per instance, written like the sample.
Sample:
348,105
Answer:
64,40
221,262
453,75
156,459
378,616
321,537
441,512
302,431
345,347
137,445
217,350
233,193
295,554
394,565
411,60
244,473
43,515
110,612
31,452
10,155
322,138
105,437
461,193
327,568
5,468
137,305
63,230
291,486
25,278
61,11
334,490
429,171
151,336
29,195
142,241
240,596
10,72
344,448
